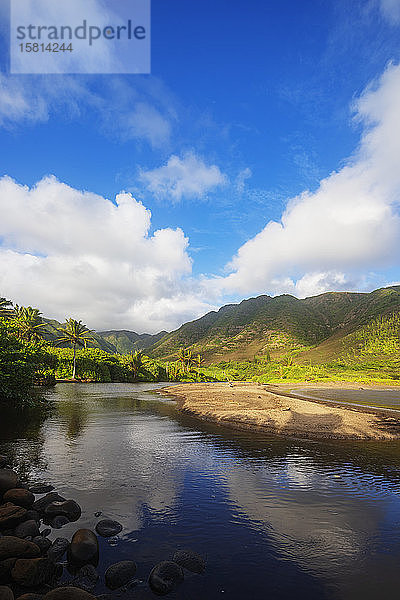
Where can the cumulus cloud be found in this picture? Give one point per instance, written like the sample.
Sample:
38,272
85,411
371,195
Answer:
67,250
186,177
330,238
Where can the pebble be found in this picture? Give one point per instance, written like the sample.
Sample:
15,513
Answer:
68,508
59,522
6,593
11,515
165,577
8,480
27,528
11,547
108,528
84,548
41,504
32,572
190,560
68,593
20,497
58,549
86,578
41,488
120,574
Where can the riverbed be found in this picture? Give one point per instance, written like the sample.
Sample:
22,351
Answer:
275,518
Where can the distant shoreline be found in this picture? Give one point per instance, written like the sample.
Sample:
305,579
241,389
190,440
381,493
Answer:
277,410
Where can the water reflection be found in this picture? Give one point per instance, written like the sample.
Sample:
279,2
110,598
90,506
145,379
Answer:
275,517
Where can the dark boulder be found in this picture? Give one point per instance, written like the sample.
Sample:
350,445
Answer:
86,578
20,497
84,548
8,480
3,461
120,574
68,593
11,547
41,488
165,577
68,508
6,593
42,543
32,572
108,527
5,570
190,560
58,549
11,515
41,504
30,596
32,515
59,522
27,529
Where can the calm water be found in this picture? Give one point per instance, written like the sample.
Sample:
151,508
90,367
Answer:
377,397
275,518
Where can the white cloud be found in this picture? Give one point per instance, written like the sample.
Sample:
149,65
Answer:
186,177
75,253
391,10
351,224
123,110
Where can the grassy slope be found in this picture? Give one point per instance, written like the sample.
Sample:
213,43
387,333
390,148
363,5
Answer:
129,341
315,328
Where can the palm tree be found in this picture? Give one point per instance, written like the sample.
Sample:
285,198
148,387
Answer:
5,310
185,357
29,322
135,363
199,361
76,334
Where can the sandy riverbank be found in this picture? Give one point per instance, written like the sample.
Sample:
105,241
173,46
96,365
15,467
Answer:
255,406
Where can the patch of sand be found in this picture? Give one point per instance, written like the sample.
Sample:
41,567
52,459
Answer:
253,406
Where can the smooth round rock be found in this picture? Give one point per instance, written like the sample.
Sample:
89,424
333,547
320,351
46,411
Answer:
32,572
30,597
59,522
68,593
84,548
32,515
86,578
3,461
11,515
20,497
11,547
69,509
165,577
108,527
6,593
8,480
58,549
26,529
41,504
190,560
41,488
120,574
42,543
5,570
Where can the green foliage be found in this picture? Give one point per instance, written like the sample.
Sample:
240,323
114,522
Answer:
22,363
93,364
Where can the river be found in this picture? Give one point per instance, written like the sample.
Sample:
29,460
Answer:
275,518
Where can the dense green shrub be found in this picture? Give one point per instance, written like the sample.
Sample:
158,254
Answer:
20,363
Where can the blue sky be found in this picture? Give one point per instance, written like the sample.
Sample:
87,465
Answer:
249,107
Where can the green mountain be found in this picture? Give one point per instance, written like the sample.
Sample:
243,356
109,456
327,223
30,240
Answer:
125,342
315,327
122,342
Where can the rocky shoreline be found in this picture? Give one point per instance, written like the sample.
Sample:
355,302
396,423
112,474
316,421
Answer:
31,565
